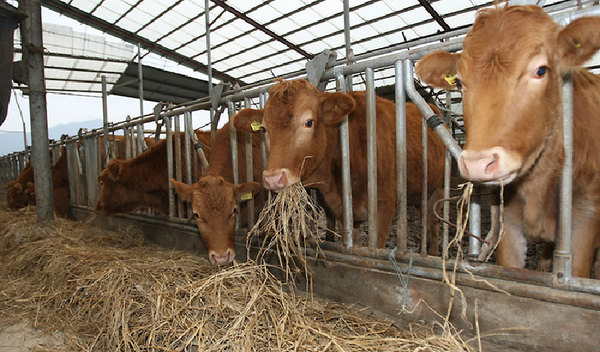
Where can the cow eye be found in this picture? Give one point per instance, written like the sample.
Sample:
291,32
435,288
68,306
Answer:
540,72
308,123
264,129
458,83
196,216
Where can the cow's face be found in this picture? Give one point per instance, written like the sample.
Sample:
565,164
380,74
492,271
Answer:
16,196
115,197
294,121
510,72
215,203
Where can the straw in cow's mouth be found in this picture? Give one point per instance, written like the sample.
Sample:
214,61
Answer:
286,224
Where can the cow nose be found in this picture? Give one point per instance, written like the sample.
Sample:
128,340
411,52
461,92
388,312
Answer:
222,259
276,178
480,166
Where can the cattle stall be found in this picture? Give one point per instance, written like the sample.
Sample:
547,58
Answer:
513,309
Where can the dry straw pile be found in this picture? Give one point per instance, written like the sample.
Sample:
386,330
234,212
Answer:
110,291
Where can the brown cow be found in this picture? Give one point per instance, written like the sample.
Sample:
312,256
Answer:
215,199
140,182
510,71
16,195
60,186
302,137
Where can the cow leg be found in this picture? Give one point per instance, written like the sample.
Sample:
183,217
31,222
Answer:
512,248
583,246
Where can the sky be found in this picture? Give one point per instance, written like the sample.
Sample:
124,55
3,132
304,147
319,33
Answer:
64,109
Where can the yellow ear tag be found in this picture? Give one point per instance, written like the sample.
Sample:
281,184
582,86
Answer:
450,79
578,45
256,125
246,196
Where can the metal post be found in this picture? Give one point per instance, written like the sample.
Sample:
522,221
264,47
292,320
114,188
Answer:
348,216
424,189
168,130
128,136
371,157
140,139
249,170
141,79
105,119
447,175
177,163
401,166
475,222
233,143
33,45
213,123
562,254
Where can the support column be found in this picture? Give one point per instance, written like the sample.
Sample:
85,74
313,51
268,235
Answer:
31,32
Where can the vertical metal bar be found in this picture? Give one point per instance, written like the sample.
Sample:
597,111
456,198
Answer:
348,42
401,166
213,123
73,170
447,177
91,170
187,126
562,254
371,157
178,158
424,188
141,80
475,223
37,107
105,119
170,172
234,150
348,216
263,146
128,136
249,169
233,143
140,139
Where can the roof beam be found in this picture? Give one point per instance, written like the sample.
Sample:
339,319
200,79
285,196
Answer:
264,29
436,16
72,12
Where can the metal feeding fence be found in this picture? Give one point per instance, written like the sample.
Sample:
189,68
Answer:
85,154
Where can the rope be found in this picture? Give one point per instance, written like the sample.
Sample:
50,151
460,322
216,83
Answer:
403,280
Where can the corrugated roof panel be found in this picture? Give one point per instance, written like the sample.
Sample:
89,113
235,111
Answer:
84,5
189,9
448,6
373,11
321,29
107,13
304,17
152,33
282,26
466,18
427,29
267,13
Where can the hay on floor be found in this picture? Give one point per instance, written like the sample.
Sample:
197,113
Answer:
110,291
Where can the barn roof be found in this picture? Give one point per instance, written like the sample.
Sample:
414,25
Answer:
251,41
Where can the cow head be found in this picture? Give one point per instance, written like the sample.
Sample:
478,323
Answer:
215,202
510,73
16,196
294,120
117,196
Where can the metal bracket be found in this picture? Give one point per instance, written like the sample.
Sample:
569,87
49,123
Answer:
316,67
215,95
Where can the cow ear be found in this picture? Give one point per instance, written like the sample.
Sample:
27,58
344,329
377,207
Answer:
579,41
336,106
248,120
185,191
246,191
18,187
114,170
438,69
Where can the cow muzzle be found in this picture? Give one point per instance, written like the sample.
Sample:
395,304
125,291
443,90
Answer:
221,259
490,166
276,179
